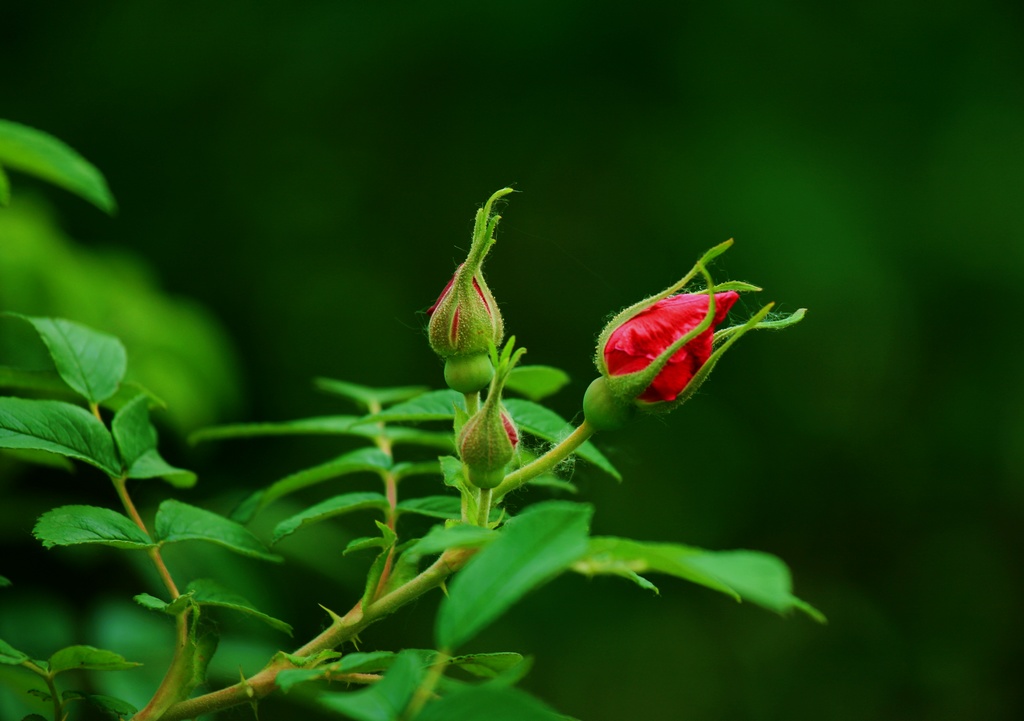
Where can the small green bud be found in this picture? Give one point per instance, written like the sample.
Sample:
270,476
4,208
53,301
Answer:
487,445
468,373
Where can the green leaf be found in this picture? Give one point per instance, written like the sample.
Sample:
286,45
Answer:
753,576
44,156
357,461
4,582
5,188
372,662
47,381
432,506
326,425
544,423
320,425
440,539
367,396
336,506
87,658
209,593
385,700
74,525
421,468
487,665
432,406
177,521
57,427
108,705
532,548
502,704
150,602
372,587
363,543
757,577
9,655
536,382
91,362
136,441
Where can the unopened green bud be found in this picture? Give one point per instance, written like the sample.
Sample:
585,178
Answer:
465,320
487,445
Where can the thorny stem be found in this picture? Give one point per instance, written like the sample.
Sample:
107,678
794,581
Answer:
341,630
545,463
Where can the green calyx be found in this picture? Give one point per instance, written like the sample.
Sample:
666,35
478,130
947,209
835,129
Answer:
487,443
465,320
603,410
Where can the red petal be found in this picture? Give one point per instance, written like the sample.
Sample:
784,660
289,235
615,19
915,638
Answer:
634,344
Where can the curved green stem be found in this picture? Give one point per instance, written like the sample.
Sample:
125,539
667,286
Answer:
341,630
545,463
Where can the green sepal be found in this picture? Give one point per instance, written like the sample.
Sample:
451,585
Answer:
705,370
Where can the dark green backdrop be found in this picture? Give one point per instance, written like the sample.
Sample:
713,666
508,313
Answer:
309,171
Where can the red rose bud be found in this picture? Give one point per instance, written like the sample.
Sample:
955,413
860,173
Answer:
487,444
637,343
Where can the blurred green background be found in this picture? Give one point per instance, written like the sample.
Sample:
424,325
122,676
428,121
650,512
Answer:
307,173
